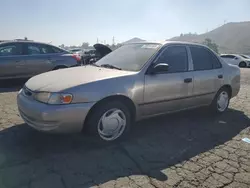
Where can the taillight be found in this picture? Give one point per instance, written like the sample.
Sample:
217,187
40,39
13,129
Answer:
76,57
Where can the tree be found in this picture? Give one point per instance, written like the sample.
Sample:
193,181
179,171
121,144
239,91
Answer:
25,38
212,45
62,46
85,45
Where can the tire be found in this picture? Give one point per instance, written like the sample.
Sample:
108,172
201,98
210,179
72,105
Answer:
223,95
242,64
118,126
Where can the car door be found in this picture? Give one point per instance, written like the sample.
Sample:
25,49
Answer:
37,59
56,57
230,59
234,60
208,75
11,60
170,90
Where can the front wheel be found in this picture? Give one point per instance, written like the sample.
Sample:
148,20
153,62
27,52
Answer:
221,101
110,121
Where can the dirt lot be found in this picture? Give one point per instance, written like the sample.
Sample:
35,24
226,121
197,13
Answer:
190,149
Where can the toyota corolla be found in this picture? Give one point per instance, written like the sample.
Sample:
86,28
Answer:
134,82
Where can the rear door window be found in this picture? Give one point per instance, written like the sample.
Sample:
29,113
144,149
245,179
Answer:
56,50
203,59
36,49
228,56
33,49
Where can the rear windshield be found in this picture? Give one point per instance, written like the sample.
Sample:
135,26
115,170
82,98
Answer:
75,50
130,57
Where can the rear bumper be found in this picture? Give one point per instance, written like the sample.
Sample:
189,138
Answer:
53,118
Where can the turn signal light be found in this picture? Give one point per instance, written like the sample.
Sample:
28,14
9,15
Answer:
66,98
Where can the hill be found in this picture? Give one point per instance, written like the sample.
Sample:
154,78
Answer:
232,37
135,39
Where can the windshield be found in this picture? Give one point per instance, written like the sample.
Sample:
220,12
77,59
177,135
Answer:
244,56
130,57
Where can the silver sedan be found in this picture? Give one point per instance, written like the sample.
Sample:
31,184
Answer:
134,82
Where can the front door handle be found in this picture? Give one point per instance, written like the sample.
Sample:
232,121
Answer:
220,76
188,80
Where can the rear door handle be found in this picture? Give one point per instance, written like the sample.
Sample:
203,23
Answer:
188,80
220,76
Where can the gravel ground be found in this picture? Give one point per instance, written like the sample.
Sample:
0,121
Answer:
189,149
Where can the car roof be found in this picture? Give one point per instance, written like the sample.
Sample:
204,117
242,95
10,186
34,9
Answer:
167,42
231,54
23,41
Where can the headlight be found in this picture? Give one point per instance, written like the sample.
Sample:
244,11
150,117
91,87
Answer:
53,98
42,97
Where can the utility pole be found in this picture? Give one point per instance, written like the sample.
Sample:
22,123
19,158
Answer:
113,41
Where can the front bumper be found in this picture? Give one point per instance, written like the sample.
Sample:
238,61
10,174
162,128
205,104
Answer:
52,118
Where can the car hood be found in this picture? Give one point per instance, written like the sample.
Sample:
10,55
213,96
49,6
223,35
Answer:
59,80
102,49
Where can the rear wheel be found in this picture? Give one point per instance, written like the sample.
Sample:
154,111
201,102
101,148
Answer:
242,64
110,121
221,101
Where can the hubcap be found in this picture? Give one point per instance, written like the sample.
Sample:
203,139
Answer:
222,101
112,124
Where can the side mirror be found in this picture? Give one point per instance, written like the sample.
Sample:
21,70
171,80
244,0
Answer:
159,68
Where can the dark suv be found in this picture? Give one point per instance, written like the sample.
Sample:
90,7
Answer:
23,59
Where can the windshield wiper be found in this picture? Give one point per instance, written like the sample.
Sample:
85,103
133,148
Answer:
110,66
95,65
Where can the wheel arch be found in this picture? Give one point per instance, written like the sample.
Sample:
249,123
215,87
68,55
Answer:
124,99
241,63
228,87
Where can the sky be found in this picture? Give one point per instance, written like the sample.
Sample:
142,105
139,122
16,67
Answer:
76,21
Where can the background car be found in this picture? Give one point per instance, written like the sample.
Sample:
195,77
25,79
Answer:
93,56
23,59
235,59
133,82
77,51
